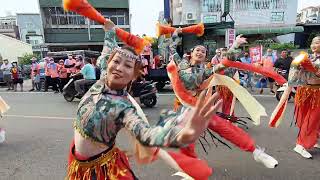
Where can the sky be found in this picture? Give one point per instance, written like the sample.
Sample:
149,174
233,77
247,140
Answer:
144,12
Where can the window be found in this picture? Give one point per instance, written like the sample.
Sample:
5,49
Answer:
277,16
260,4
121,21
211,5
117,16
57,16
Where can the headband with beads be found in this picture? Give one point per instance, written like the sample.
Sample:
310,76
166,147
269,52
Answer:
126,54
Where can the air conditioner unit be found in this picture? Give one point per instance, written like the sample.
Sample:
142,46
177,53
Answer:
191,16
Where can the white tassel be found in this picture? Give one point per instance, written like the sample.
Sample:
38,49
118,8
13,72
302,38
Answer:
183,175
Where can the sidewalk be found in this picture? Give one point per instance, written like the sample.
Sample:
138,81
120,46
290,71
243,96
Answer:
27,85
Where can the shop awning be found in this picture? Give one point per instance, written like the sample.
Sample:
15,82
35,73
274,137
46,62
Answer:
264,30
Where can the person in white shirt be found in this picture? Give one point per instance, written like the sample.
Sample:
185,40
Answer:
5,68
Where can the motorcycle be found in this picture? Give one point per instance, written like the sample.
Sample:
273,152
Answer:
281,90
69,91
147,91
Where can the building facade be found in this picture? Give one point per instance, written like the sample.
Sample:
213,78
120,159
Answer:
70,31
310,15
31,31
13,49
8,26
253,18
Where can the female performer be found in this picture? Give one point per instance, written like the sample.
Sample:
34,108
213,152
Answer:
307,101
106,108
193,73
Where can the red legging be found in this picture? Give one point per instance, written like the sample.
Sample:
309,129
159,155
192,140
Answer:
228,131
308,121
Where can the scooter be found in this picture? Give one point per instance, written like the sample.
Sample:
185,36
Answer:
281,90
148,94
69,92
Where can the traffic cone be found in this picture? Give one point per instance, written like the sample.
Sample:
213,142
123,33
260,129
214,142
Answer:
85,9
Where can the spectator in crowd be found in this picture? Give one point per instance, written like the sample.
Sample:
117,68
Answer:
47,73
283,63
246,58
247,76
89,76
69,64
268,61
35,72
16,76
79,64
96,68
5,68
63,75
259,80
217,58
145,66
53,69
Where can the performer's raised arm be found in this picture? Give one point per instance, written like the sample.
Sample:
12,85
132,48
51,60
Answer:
109,45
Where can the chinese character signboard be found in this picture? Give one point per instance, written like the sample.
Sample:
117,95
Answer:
230,37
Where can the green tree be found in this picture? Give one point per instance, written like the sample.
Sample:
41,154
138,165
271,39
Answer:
26,59
282,46
311,36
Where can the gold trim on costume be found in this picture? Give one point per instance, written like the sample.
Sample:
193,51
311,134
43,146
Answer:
105,165
308,94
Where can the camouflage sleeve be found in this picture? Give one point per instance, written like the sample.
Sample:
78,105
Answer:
109,45
208,72
175,40
218,67
164,134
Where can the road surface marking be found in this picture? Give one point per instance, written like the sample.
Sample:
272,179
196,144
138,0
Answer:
5,92
257,95
39,117
160,94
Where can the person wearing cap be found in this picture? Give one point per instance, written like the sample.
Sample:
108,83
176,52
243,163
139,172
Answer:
63,75
89,76
53,69
35,71
69,65
6,67
47,73
79,64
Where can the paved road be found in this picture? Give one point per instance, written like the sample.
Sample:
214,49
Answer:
39,130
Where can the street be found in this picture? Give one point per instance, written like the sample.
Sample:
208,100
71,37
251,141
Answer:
39,131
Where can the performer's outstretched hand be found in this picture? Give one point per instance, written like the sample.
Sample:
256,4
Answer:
241,40
198,118
178,31
108,25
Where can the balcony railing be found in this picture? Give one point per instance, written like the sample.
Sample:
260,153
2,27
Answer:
8,27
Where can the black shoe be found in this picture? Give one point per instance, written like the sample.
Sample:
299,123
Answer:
31,90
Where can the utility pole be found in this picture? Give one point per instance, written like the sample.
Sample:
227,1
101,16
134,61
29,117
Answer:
89,31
